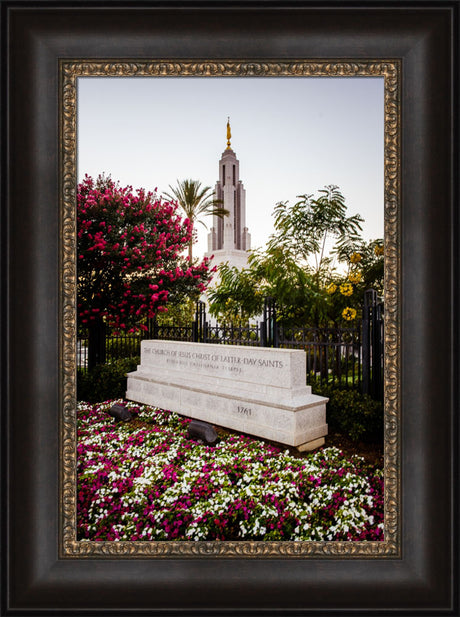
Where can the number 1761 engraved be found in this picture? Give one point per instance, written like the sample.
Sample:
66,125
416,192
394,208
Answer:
246,411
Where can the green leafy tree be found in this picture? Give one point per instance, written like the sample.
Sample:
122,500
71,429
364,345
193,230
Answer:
195,201
303,229
238,296
297,270
240,293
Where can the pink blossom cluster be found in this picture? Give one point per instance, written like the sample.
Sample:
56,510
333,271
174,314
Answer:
129,254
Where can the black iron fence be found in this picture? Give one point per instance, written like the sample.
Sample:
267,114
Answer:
373,345
116,348
346,357
333,355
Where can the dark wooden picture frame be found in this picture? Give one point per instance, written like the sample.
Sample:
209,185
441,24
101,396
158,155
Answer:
36,576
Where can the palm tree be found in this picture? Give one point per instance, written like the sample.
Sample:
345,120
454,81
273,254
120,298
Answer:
195,202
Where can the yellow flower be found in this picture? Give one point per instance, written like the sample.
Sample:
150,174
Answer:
332,288
355,277
355,258
346,289
349,313
378,250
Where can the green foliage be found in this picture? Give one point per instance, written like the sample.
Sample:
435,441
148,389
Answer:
305,295
365,270
302,230
352,413
370,265
240,293
238,296
178,314
105,381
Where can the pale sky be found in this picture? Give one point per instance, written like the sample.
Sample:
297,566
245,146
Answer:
292,135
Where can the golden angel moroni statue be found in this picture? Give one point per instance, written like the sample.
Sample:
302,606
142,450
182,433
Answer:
229,134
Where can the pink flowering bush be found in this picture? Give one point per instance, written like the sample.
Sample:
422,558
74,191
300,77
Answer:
147,481
129,246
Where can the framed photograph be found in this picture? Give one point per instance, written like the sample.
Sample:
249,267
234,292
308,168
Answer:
195,375
54,57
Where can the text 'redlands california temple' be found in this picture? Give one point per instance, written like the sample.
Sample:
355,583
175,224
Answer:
229,239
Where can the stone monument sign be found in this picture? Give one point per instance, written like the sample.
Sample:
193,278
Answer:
256,390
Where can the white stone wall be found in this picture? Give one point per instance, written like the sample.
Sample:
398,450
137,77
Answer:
255,390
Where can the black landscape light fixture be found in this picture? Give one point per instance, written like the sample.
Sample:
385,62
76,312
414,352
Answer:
119,412
202,431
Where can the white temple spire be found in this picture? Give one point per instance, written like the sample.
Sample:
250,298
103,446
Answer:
229,239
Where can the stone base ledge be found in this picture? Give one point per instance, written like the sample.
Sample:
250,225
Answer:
286,426
311,445
291,400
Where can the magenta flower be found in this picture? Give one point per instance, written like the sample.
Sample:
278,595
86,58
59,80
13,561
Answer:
148,482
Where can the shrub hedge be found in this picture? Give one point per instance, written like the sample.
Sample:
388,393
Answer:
352,413
105,381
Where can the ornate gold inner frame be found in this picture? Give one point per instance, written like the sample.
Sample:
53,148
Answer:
70,71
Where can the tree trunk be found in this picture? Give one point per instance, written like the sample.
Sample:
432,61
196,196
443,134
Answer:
96,343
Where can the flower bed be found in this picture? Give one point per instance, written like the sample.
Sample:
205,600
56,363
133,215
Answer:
144,480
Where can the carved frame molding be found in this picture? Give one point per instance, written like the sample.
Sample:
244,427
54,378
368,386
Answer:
69,72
